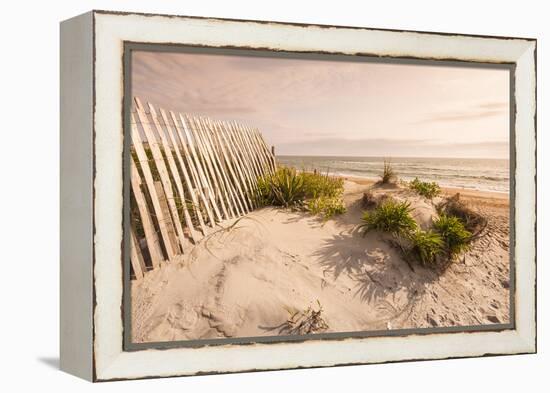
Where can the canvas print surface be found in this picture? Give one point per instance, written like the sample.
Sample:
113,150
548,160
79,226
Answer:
275,196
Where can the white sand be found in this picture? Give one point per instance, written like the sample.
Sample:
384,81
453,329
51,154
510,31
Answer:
246,281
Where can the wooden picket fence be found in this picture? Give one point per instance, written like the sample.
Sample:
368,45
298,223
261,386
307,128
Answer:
188,173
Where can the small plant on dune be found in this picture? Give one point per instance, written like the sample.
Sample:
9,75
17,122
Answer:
473,221
388,174
456,237
326,206
369,200
283,188
426,246
319,185
426,189
317,193
305,322
390,216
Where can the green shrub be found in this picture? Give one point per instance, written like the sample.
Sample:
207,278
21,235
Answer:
455,236
426,246
319,185
426,189
326,206
474,222
314,192
283,188
390,216
388,175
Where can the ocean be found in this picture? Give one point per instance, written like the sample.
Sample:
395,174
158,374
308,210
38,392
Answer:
468,173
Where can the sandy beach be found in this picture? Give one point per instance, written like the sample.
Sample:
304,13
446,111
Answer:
249,276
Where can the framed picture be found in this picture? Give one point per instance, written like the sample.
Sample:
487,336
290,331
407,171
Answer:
246,195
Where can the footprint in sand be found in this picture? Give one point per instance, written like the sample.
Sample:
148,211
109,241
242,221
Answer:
493,319
179,319
182,316
431,320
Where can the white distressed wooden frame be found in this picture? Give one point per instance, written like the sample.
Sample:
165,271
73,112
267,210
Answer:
92,198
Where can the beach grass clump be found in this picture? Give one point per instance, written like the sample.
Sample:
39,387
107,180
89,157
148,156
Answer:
318,185
456,237
326,206
306,321
426,189
320,194
391,217
284,188
388,173
426,246
324,194
473,221
433,247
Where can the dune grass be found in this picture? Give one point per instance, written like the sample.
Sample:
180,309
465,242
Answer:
426,189
284,188
473,221
454,234
326,206
426,246
306,321
320,194
390,216
437,246
388,173
318,185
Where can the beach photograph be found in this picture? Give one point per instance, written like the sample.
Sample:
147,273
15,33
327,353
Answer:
285,196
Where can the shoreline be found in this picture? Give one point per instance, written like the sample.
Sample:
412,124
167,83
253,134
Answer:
466,192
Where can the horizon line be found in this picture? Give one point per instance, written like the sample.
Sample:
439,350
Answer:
390,157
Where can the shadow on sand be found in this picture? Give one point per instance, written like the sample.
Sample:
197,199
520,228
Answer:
378,270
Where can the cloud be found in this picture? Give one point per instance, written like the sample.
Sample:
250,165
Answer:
476,112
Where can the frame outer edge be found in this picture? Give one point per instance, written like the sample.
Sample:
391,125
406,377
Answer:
525,342
76,196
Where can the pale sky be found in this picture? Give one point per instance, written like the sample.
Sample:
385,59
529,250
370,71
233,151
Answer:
318,107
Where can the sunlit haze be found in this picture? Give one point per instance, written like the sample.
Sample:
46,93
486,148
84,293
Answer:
313,107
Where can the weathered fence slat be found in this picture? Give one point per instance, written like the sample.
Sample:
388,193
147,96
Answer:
188,173
166,211
197,135
231,189
138,264
247,163
186,180
219,133
236,163
258,150
264,149
251,153
177,178
203,169
171,216
147,174
205,186
197,187
225,198
146,221
166,148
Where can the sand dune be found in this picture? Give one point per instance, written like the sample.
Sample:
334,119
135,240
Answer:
248,280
